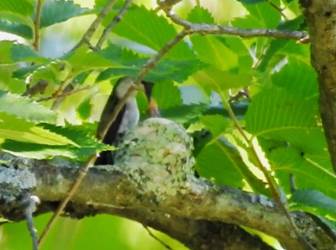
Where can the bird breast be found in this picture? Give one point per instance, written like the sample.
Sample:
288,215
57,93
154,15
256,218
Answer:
130,118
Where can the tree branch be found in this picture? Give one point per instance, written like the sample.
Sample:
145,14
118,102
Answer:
155,187
204,28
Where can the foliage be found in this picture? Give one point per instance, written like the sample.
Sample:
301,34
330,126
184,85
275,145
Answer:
269,84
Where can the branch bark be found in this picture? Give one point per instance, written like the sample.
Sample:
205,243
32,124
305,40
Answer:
321,19
153,182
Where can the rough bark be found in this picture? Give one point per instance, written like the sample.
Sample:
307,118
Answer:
321,19
153,182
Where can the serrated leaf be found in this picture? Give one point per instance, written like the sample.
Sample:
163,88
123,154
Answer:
17,28
261,15
128,63
314,201
220,162
297,77
13,52
167,95
83,60
306,173
56,11
22,7
17,129
146,27
25,108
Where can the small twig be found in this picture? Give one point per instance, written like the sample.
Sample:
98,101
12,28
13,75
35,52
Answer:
164,244
204,28
113,23
37,22
93,27
275,190
277,8
30,205
63,94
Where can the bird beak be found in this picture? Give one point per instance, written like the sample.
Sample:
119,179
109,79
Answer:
153,108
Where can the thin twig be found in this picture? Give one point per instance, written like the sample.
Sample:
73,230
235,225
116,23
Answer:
37,22
113,23
275,190
277,8
63,94
93,27
204,28
164,244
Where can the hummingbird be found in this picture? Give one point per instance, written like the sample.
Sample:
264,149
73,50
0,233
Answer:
127,118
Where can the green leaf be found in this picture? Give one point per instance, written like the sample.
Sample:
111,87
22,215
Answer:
22,7
128,63
12,53
15,27
84,109
275,110
261,15
56,11
146,27
221,162
83,60
313,200
25,108
84,144
297,77
17,129
307,173
167,95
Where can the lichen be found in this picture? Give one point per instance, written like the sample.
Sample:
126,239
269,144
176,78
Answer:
157,155
13,182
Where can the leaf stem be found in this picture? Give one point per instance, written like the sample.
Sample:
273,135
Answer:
94,26
37,23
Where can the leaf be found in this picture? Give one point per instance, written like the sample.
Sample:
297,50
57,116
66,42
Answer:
297,77
128,63
22,7
83,60
84,144
275,110
307,174
220,161
12,52
25,108
167,95
261,15
56,11
17,129
146,27
15,27
313,200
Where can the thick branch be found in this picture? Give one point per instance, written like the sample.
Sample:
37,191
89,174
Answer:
321,19
153,174
204,28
